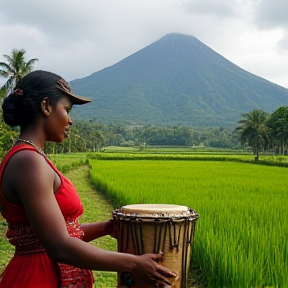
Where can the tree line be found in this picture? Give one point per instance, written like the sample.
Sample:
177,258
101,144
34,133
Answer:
257,130
263,131
94,136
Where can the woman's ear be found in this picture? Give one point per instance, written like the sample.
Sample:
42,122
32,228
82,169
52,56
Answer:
45,107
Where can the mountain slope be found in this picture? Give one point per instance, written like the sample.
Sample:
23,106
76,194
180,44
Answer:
176,80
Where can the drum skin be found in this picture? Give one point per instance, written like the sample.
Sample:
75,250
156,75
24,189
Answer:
154,228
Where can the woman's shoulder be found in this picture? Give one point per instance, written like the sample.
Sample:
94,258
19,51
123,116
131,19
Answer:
26,160
28,156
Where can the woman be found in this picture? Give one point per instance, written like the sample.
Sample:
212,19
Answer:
42,207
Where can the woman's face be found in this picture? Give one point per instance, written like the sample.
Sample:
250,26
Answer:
59,121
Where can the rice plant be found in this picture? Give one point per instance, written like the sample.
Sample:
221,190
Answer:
241,235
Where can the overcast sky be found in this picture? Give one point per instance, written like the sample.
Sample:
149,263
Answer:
76,38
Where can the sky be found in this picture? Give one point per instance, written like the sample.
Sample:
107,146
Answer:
75,38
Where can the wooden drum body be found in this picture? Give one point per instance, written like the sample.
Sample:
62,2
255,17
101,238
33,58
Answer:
151,228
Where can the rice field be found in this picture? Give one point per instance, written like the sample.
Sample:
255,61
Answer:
241,234
68,161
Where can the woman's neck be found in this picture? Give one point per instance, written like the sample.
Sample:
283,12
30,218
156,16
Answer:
35,136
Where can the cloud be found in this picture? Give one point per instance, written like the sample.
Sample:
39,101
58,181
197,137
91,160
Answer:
271,14
62,20
77,38
283,43
215,8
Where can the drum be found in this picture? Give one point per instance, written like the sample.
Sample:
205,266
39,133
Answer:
151,228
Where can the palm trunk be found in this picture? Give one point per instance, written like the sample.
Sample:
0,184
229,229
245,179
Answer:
257,151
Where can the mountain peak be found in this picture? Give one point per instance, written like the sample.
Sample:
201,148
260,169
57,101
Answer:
176,36
176,80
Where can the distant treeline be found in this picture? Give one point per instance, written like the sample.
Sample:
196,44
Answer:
87,136
93,136
258,131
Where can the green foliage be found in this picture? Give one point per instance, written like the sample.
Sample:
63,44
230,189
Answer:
3,93
94,136
91,136
15,68
257,130
68,162
277,124
7,138
6,250
253,130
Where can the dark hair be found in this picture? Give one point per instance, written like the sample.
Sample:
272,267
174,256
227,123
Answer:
22,105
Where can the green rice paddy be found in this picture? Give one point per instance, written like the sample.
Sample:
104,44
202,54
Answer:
241,235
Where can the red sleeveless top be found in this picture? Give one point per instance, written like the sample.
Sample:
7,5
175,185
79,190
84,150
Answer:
31,267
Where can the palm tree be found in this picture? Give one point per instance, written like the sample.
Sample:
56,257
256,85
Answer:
277,124
15,68
253,130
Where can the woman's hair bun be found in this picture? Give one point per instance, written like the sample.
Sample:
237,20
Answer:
19,109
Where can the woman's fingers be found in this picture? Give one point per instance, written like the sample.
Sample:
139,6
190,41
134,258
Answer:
163,280
162,272
165,271
157,257
155,273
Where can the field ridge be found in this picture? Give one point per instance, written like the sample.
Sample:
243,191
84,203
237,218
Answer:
96,208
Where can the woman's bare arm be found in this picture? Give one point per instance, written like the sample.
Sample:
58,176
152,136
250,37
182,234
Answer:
97,229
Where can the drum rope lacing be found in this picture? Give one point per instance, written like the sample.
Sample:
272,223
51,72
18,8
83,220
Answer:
165,228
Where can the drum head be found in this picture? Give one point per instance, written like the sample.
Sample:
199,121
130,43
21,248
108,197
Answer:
155,209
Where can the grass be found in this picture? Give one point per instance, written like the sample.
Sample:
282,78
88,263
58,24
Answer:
67,162
241,235
6,250
171,150
96,209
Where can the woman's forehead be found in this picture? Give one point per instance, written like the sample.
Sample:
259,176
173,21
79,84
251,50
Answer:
65,100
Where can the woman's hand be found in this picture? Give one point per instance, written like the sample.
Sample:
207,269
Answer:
148,273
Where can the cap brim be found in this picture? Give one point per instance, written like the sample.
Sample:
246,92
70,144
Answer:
78,100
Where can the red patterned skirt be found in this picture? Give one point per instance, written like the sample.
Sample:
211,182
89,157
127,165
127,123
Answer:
31,267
